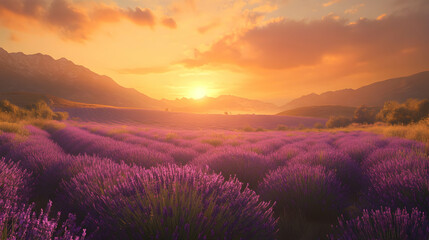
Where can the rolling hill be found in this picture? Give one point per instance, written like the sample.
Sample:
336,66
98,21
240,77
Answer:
397,89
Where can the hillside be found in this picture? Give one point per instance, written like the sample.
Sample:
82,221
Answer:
397,89
62,78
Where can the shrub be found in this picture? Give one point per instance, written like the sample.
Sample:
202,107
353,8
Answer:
346,169
249,167
411,111
337,122
282,127
406,189
182,156
61,116
383,224
364,114
298,189
283,155
172,203
14,182
7,107
40,110
77,141
23,223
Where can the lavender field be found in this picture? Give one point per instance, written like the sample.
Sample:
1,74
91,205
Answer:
106,181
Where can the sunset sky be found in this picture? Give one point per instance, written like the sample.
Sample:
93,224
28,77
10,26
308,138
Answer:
272,50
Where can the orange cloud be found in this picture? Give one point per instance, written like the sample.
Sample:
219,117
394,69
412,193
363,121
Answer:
140,16
288,44
145,70
169,22
381,16
332,2
300,56
72,20
208,27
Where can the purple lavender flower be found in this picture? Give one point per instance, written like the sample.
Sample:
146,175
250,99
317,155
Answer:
249,167
14,182
300,189
383,224
23,223
171,203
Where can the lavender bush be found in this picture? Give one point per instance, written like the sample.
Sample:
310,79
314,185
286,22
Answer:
249,167
346,169
77,141
172,203
383,224
23,223
14,182
309,190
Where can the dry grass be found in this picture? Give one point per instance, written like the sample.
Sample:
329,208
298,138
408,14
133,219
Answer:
18,128
47,125
418,131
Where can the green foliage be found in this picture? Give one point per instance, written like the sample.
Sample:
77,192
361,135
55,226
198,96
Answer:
364,114
338,121
411,111
40,110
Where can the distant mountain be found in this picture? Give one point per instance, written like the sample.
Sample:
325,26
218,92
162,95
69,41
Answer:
397,89
62,78
322,111
221,104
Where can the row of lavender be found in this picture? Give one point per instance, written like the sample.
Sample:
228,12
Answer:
312,177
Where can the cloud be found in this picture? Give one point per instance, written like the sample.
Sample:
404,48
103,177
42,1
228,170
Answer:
299,57
145,70
381,16
143,17
289,44
71,20
354,9
169,22
332,2
208,27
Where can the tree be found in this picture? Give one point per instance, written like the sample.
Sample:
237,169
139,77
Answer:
364,114
338,121
412,110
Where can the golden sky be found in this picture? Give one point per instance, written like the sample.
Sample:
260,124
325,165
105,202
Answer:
272,50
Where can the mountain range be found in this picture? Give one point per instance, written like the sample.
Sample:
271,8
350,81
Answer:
396,89
61,78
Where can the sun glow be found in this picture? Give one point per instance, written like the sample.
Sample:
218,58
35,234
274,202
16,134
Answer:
199,92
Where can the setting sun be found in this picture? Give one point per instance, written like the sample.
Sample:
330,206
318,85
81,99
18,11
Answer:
199,93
